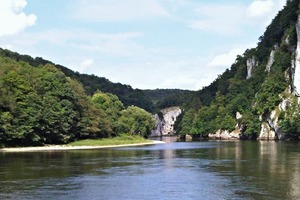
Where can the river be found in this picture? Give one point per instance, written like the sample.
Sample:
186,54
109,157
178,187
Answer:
178,170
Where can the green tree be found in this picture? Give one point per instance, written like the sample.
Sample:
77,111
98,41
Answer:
136,121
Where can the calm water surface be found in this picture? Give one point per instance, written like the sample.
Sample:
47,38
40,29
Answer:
181,170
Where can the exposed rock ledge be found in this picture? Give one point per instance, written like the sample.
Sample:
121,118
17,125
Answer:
225,135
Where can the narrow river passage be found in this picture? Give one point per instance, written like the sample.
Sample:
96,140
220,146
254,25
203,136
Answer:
179,170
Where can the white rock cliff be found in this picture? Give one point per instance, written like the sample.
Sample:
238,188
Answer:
296,78
165,125
251,64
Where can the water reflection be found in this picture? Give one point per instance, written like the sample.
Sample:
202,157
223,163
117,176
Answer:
189,170
265,168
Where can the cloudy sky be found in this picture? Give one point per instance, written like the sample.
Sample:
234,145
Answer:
147,44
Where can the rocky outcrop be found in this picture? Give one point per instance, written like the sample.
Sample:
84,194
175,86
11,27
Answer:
251,64
270,61
270,129
225,134
158,126
296,64
165,123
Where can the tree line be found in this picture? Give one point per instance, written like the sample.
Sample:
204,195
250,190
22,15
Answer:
41,105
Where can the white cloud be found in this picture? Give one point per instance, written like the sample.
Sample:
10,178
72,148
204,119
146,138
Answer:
261,12
259,8
85,65
220,19
116,10
117,44
12,18
226,59
232,20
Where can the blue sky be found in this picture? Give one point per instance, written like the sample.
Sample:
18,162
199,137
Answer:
147,44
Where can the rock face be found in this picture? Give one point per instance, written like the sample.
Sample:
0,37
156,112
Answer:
158,126
165,123
225,134
270,61
270,129
251,64
296,78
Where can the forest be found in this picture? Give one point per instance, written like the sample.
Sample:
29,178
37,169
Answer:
254,97
41,105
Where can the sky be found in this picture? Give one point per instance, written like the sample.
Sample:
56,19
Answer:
147,44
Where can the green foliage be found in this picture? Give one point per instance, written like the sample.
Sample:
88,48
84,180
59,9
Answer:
231,92
150,100
39,106
91,83
42,106
284,19
136,121
164,98
186,125
112,107
252,125
290,123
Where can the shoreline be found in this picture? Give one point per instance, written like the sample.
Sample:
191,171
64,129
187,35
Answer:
67,148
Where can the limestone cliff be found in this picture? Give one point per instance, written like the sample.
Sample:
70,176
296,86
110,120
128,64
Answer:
262,85
270,61
251,64
165,122
296,62
270,128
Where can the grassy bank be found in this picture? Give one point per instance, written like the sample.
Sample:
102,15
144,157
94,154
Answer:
120,140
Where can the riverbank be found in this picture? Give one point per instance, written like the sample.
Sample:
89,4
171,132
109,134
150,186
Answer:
68,147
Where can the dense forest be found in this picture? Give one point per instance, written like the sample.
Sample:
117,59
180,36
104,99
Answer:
84,106
41,105
253,87
91,83
149,100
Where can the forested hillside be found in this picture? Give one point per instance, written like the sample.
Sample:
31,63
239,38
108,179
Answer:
255,96
164,98
41,105
91,83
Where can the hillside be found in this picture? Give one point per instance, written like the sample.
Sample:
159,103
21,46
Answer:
164,98
150,100
257,96
91,83
41,105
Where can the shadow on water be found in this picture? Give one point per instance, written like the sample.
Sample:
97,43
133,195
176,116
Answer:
191,170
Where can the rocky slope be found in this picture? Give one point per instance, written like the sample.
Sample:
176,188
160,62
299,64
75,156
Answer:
257,97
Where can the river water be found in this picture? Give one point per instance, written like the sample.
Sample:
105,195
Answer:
180,170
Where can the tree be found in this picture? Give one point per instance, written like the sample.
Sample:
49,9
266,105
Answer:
136,121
